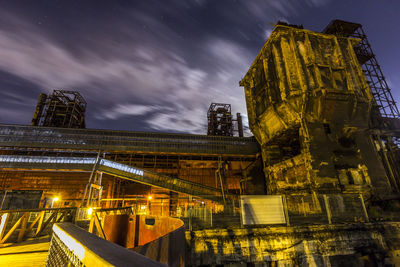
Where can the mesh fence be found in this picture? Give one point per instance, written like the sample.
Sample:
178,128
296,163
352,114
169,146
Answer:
310,209
306,209
346,208
60,254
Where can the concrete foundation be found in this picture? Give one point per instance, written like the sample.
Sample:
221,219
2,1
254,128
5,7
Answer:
342,245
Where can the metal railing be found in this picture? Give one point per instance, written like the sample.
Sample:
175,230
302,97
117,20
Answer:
16,225
300,210
73,246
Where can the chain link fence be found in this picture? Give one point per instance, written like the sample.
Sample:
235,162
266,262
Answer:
308,209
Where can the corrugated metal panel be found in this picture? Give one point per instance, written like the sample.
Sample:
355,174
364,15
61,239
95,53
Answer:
258,209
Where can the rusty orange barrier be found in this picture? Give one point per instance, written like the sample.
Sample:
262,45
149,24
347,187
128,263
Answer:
156,237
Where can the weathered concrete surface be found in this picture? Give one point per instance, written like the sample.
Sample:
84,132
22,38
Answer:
325,245
309,107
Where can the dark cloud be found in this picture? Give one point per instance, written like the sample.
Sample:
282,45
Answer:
141,65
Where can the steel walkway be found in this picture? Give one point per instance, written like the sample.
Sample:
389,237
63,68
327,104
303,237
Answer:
109,167
119,141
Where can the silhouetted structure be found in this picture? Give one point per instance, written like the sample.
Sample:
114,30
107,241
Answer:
65,109
221,122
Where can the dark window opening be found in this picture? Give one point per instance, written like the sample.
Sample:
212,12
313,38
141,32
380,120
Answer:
327,128
283,147
149,221
350,177
346,142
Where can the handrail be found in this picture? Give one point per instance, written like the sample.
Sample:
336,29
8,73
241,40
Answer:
37,210
71,245
22,221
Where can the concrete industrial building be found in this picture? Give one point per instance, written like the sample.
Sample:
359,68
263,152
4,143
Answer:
317,185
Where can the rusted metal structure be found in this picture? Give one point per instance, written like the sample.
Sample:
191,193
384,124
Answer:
385,114
65,109
59,161
327,161
309,106
18,224
221,121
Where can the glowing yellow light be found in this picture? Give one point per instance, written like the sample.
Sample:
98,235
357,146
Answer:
142,207
3,221
149,197
90,211
202,202
56,199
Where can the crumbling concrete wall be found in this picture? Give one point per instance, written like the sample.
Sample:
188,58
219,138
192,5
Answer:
309,107
326,245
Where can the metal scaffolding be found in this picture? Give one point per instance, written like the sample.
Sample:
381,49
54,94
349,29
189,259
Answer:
65,109
221,122
372,70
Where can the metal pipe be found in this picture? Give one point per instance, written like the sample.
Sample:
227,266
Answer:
240,124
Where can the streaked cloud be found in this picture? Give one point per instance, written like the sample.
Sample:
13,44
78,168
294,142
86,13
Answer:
162,65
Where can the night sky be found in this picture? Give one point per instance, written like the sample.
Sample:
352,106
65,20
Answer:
157,65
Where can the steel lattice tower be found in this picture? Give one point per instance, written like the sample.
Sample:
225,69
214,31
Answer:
372,70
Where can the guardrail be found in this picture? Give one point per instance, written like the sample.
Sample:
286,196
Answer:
162,239
31,222
157,237
73,246
319,209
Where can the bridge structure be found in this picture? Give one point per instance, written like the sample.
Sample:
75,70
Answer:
171,168
112,168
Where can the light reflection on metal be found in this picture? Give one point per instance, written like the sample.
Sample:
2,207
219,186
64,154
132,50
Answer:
121,167
28,159
62,160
